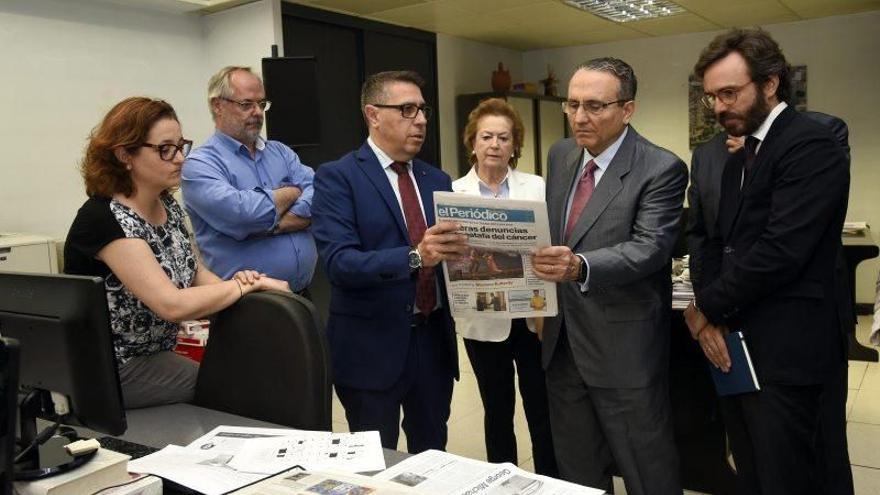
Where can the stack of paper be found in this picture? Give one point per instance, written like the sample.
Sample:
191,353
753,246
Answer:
230,458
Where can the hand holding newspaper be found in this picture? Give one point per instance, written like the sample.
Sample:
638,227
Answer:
495,279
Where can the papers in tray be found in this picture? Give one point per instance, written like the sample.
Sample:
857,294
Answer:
854,228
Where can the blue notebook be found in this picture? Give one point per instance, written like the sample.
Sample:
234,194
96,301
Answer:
741,378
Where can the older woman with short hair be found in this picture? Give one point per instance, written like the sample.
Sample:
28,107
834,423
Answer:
131,232
494,137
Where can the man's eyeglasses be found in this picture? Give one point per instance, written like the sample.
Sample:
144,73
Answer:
168,151
247,105
409,110
727,96
593,107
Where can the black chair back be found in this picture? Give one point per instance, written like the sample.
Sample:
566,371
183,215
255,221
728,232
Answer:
267,358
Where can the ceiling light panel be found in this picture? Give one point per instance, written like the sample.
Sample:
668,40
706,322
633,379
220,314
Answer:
628,10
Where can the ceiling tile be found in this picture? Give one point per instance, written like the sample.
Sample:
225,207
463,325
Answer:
364,6
677,24
740,13
487,6
549,17
822,8
535,24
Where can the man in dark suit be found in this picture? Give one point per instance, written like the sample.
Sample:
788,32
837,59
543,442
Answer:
391,337
768,269
614,201
833,473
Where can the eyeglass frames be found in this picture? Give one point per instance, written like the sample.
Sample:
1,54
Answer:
727,96
593,107
409,110
247,105
168,151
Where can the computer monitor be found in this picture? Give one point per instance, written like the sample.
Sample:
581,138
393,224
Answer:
9,403
66,351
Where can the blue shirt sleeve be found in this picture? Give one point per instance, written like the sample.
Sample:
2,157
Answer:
301,176
236,213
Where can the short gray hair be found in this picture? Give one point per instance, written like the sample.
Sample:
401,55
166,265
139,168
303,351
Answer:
220,86
617,68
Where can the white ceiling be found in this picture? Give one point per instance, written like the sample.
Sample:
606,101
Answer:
536,24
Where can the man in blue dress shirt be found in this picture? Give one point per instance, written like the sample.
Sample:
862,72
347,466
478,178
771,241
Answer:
249,199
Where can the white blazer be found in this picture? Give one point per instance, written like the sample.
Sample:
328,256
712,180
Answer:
521,186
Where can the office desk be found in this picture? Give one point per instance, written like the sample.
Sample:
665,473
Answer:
857,249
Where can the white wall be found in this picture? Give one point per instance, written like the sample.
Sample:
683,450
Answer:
465,66
842,78
66,63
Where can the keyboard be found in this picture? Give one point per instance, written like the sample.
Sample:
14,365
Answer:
135,450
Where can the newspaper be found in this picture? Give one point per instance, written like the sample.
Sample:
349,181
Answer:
300,482
496,279
440,473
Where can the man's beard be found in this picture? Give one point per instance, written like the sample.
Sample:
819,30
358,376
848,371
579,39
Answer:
252,132
749,123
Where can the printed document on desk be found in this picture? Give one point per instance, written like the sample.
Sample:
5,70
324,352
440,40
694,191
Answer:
440,473
203,471
270,450
495,279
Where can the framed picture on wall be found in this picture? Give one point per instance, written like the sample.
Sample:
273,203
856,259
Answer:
702,123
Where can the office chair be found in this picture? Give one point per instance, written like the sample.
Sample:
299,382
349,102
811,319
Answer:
267,359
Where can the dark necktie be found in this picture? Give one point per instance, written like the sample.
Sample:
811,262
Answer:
426,290
582,194
751,147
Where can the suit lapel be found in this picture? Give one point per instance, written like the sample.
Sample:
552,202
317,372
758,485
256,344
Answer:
763,156
606,189
370,166
731,193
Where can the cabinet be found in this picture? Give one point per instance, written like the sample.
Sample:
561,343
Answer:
543,120
27,253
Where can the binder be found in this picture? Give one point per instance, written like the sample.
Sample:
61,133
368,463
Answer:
741,378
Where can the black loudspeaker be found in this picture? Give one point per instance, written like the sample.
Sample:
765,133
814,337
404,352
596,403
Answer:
292,87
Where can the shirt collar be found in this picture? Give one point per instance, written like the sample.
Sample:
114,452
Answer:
604,158
762,131
235,145
383,158
503,186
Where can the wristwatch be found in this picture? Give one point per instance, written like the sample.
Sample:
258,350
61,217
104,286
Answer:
582,271
415,259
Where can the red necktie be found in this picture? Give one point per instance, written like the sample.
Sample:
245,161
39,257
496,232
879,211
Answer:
426,290
581,197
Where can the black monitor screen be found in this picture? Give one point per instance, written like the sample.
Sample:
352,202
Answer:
9,403
62,325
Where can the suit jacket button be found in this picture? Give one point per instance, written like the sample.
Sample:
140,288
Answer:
408,308
728,250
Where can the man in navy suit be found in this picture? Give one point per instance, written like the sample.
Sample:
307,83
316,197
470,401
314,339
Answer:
391,336
769,267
